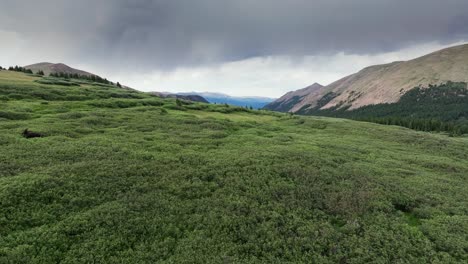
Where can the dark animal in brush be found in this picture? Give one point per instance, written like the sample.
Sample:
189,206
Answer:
28,134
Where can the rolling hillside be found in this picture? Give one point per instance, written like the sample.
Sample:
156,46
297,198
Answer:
120,176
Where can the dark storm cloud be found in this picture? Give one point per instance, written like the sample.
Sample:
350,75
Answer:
171,33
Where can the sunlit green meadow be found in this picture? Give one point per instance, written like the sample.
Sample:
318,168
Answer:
125,177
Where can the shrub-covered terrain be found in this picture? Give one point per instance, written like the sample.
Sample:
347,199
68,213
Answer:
123,177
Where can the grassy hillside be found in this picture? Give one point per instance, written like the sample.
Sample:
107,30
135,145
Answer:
124,177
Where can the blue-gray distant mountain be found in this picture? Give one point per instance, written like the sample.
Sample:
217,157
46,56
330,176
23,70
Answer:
219,98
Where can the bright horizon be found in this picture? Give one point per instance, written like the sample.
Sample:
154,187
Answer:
312,68
237,82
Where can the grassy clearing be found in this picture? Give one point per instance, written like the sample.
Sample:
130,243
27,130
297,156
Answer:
124,177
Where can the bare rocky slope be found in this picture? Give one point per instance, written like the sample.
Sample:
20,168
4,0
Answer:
49,68
388,82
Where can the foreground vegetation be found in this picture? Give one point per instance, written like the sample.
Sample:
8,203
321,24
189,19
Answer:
125,177
435,108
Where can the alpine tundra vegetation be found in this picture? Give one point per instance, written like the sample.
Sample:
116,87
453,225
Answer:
120,176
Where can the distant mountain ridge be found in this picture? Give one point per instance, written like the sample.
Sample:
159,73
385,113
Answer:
385,83
256,102
48,68
286,102
190,97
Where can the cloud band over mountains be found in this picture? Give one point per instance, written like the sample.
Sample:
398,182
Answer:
238,47
168,34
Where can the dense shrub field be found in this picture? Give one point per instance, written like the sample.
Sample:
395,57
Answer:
125,177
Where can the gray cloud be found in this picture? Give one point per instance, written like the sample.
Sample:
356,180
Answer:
156,34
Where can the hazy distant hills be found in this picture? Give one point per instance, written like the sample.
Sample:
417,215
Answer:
381,83
219,98
49,68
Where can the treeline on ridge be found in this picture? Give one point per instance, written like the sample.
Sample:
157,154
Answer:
20,69
92,78
64,75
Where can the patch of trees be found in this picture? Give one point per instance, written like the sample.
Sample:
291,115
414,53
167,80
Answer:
436,108
326,99
422,124
92,78
20,69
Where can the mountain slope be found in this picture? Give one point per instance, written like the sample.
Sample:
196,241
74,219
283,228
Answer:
440,108
387,83
287,102
121,176
49,68
219,98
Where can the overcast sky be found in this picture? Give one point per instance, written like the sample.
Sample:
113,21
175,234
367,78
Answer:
238,47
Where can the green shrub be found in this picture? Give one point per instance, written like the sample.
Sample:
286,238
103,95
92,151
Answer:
57,82
14,115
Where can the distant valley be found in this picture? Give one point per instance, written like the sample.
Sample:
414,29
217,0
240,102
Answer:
64,70
219,98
